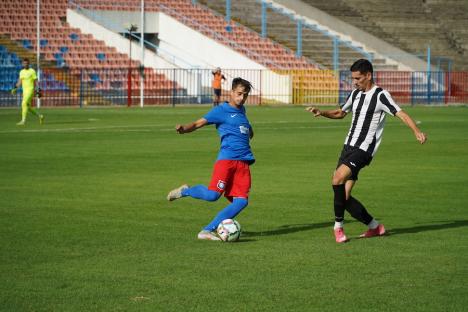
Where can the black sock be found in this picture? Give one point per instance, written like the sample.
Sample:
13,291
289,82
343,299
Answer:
357,210
339,202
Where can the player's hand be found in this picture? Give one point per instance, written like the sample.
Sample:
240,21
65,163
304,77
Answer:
38,92
314,111
421,137
180,129
13,91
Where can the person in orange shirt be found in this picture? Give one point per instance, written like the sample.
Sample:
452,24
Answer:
218,78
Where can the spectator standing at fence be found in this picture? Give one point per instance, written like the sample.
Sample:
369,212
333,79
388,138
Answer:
218,78
369,104
27,79
231,172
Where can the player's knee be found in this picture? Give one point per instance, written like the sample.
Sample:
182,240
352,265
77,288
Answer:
212,195
338,179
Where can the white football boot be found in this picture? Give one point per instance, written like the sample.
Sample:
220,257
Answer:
176,193
207,235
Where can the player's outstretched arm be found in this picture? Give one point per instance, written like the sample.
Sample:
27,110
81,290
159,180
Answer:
181,129
420,136
332,114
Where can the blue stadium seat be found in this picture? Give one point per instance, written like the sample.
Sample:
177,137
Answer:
59,59
63,49
26,43
95,77
4,87
74,37
3,59
101,56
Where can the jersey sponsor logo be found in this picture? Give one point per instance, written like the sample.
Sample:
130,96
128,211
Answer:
221,184
244,129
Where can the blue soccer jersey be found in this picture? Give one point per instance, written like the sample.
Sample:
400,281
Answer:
234,131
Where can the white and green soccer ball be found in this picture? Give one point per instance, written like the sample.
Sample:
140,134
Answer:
229,230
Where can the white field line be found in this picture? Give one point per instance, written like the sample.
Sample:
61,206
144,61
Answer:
144,128
282,124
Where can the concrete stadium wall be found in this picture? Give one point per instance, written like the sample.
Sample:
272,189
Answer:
114,39
122,19
205,52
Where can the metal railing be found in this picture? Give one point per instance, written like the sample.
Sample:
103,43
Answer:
89,86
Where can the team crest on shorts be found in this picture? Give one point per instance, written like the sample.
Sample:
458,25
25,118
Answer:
221,184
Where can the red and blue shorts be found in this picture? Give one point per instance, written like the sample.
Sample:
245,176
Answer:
231,177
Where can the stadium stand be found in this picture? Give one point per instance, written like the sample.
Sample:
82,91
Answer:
80,55
11,63
241,39
200,18
410,25
76,62
56,84
315,45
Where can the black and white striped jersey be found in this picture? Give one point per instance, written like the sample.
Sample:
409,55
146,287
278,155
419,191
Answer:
368,121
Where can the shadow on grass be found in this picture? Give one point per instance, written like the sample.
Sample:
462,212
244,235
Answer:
290,228
293,228
429,227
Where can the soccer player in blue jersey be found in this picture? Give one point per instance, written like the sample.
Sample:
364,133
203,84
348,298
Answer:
231,173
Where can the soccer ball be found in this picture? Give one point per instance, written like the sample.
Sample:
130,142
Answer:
229,230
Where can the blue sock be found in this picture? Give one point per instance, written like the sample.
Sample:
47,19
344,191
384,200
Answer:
229,212
201,192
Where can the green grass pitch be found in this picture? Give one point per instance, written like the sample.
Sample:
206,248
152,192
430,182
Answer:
85,225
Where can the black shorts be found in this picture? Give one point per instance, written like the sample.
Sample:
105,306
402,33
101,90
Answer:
355,159
217,92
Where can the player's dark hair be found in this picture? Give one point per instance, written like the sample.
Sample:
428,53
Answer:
242,82
363,66
26,60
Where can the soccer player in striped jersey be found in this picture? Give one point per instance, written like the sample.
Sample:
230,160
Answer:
27,79
369,104
231,173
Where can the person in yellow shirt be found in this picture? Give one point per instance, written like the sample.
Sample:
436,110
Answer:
27,79
218,78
